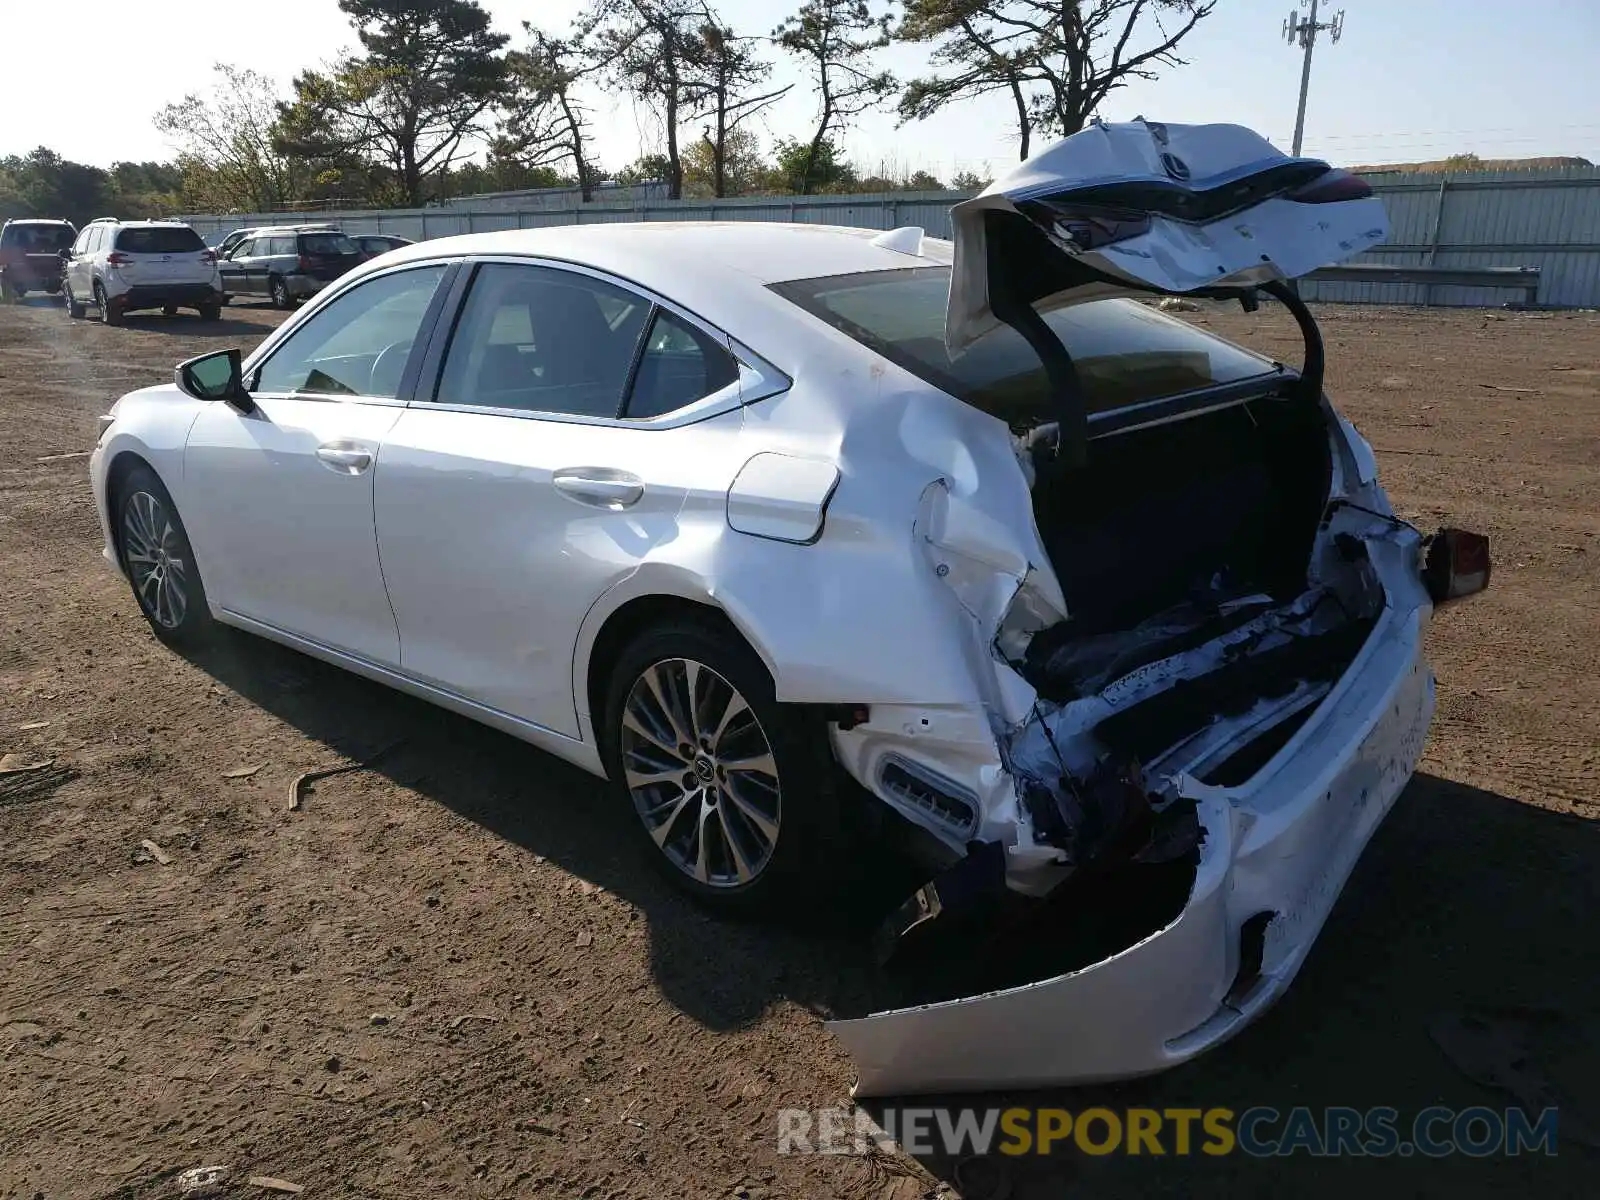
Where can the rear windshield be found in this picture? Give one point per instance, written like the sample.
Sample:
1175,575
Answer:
1125,352
39,238
327,243
159,239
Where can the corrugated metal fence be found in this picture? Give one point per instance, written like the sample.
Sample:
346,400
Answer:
1546,218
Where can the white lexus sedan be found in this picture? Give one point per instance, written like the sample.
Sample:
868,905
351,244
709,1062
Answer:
770,524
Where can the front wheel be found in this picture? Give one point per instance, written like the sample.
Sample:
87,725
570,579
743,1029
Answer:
158,559
733,793
74,309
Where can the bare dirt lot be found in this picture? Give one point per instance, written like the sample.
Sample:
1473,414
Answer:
451,975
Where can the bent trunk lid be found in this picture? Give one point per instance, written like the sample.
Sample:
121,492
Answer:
1141,207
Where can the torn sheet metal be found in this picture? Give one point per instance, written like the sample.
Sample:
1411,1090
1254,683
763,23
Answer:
1282,844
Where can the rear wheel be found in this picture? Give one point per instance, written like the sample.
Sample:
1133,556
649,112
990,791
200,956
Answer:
279,291
158,559
107,315
8,293
211,312
74,309
732,793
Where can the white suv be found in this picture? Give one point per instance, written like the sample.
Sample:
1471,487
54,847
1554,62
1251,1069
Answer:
120,266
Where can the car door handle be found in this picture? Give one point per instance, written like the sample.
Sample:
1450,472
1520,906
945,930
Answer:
344,458
600,487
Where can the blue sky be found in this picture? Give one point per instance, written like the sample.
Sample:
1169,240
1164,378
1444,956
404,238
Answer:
1411,79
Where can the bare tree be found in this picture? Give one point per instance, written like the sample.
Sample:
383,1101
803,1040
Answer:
653,49
1056,60
226,139
545,123
730,72
836,40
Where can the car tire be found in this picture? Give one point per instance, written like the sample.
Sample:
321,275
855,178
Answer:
107,316
278,290
74,309
211,312
169,310
8,294
158,559
760,836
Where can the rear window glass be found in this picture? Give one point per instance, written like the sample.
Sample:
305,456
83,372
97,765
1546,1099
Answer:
170,239
36,238
327,243
1125,352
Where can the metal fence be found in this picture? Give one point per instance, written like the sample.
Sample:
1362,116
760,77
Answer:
1545,218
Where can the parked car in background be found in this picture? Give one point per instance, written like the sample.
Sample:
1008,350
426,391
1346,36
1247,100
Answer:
227,242
374,244
120,266
30,256
285,264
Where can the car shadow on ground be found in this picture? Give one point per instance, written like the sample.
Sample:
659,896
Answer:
187,323
1466,902
570,818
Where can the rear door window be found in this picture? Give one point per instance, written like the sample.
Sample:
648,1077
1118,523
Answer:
280,246
680,364
326,244
543,340
1125,352
159,239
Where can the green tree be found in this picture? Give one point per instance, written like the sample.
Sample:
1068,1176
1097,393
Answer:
835,40
1055,60
225,140
43,184
740,169
429,73
809,167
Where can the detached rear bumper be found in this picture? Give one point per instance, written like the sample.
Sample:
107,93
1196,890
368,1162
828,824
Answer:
1283,845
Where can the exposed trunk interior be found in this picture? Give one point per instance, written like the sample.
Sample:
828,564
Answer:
1225,502
1186,542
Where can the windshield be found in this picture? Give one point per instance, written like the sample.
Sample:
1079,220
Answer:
1125,352
159,239
327,243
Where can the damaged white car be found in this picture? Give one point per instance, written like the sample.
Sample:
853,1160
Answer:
1089,601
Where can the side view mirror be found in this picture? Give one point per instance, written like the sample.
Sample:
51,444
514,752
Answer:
215,376
64,255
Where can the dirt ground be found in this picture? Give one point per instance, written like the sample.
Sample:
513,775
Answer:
451,976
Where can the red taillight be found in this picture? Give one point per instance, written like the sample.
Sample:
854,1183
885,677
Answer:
305,263
118,259
1456,564
1332,186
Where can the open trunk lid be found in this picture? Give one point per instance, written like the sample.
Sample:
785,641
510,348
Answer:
1141,207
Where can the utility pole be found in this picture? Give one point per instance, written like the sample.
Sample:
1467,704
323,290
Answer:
1305,33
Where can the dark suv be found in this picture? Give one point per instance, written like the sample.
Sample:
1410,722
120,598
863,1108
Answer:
30,256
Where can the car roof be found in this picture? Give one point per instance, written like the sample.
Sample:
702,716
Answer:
37,221
715,269
656,253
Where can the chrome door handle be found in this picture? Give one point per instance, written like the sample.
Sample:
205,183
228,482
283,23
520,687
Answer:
344,458
600,487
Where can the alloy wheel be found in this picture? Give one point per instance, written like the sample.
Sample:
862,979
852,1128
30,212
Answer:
154,553
701,772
